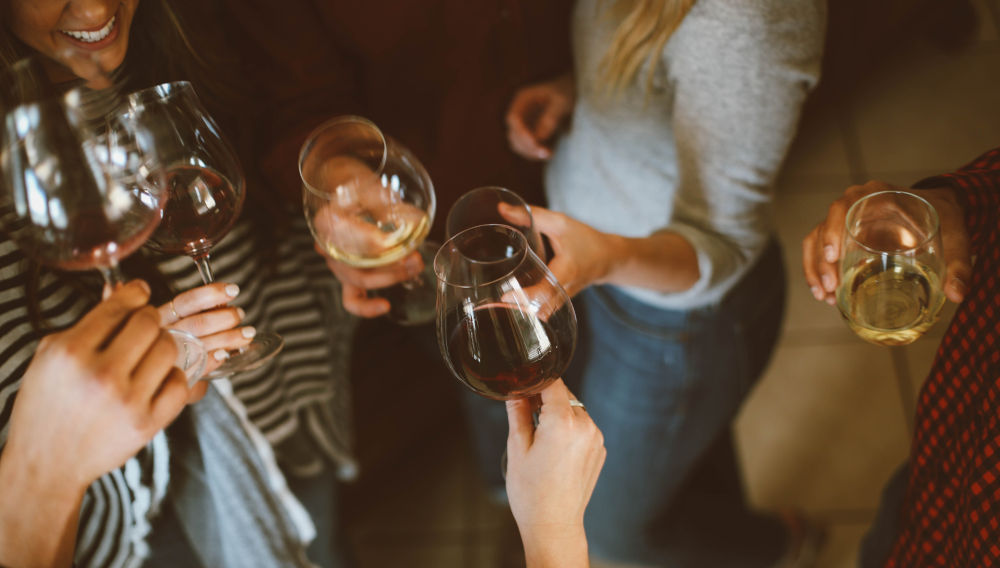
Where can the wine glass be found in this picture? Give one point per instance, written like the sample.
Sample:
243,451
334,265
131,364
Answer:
205,189
369,202
485,206
505,326
891,268
72,200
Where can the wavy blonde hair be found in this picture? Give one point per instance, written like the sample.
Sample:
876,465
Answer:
644,26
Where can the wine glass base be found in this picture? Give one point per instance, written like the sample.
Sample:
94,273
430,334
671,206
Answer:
263,348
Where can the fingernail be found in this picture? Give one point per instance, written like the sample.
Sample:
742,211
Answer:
221,355
241,313
145,287
832,301
829,283
829,254
248,332
818,293
959,286
232,290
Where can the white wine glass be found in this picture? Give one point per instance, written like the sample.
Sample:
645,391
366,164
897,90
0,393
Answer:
891,268
205,188
369,203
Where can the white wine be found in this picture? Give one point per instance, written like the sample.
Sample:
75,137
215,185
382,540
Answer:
890,300
360,240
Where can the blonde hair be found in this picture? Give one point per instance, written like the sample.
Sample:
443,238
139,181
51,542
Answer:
644,26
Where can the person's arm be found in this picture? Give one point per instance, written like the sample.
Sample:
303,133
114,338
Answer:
551,473
977,189
92,396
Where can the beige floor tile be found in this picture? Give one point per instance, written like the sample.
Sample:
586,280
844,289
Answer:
929,110
819,148
824,429
797,213
841,548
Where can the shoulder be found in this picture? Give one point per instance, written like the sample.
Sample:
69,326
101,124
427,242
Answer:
792,25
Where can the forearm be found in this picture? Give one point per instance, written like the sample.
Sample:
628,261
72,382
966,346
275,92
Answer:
664,262
38,523
564,548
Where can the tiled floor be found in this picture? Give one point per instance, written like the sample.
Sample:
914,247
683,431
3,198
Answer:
832,418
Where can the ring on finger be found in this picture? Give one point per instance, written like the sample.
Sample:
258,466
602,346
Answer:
577,403
173,310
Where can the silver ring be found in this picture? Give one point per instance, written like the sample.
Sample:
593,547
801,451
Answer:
173,310
577,403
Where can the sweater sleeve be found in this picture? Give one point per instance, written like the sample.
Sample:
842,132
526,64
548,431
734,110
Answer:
977,188
739,90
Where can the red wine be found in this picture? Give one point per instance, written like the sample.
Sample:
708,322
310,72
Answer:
202,206
93,241
501,352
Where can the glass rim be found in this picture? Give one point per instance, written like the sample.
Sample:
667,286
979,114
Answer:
931,235
161,91
499,189
521,256
311,139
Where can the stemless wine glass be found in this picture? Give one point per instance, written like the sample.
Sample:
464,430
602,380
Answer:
505,326
205,190
891,269
73,201
369,202
482,206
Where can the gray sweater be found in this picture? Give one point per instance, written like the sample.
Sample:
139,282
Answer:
700,153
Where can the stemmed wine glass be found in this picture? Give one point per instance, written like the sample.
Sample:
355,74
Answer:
74,199
369,202
487,205
505,326
205,190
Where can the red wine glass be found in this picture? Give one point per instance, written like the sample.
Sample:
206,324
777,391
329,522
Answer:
494,205
75,199
369,202
505,326
205,190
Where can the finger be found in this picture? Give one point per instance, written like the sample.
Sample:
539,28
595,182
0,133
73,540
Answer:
810,263
154,366
520,426
197,392
227,340
197,300
213,321
555,400
958,265
129,346
830,239
170,399
514,215
97,326
357,302
519,134
381,277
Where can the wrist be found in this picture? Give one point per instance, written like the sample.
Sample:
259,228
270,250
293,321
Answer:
552,546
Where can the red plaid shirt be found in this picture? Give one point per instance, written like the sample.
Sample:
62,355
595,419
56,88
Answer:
951,512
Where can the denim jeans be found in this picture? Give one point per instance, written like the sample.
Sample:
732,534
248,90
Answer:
663,386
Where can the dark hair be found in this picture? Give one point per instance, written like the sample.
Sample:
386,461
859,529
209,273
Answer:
152,58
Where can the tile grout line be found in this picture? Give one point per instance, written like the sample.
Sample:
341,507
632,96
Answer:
902,368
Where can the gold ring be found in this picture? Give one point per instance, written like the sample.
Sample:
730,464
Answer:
173,310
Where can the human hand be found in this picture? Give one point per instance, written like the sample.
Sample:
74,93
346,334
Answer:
821,248
535,114
96,393
551,473
203,312
581,256
355,282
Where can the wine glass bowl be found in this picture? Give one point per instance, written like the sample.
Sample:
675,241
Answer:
891,268
486,206
505,326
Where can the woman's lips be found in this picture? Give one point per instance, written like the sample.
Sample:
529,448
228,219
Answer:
96,39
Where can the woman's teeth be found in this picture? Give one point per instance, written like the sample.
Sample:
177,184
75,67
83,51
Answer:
92,37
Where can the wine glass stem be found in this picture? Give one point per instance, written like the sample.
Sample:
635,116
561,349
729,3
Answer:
204,269
112,275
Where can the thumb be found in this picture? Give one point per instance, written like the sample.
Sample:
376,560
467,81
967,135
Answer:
956,256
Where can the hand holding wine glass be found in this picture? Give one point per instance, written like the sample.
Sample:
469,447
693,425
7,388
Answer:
369,204
205,191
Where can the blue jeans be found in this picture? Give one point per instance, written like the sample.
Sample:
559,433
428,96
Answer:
663,386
